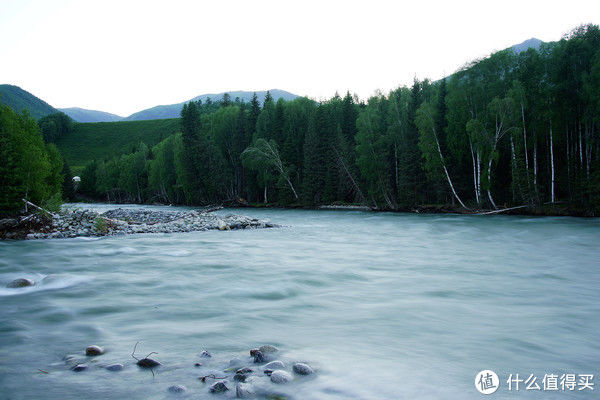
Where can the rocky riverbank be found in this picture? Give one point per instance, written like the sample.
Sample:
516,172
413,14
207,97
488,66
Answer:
74,223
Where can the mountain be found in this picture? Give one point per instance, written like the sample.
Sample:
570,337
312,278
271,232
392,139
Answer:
526,45
19,99
83,115
173,110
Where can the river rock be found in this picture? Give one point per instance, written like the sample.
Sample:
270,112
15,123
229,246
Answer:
114,367
239,377
21,282
281,376
275,365
205,354
268,349
243,391
148,363
79,367
259,357
302,369
177,389
94,351
219,387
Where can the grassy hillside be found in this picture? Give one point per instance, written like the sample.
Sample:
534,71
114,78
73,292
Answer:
19,99
98,140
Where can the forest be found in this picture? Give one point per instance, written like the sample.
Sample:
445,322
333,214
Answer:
511,129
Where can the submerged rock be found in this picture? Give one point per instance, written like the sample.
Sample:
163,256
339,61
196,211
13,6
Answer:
114,367
177,389
244,370
268,349
239,377
275,365
281,376
94,351
243,391
205,354
19,283
302,369
219,387
79,367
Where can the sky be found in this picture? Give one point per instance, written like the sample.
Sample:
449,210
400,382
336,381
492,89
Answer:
125,56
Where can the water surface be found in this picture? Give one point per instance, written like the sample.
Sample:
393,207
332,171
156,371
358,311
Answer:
383,305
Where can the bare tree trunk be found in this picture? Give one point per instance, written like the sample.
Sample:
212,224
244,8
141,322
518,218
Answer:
552,198
474,173
265,194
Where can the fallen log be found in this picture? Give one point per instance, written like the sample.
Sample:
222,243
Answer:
500,211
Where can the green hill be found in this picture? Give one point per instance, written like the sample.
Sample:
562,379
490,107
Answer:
19,99
99,140
83,115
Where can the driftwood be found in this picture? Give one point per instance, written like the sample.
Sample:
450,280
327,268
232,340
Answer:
210,209
39,208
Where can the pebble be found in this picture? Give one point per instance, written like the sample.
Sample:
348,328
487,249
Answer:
177,389
280,376
302,369
94,351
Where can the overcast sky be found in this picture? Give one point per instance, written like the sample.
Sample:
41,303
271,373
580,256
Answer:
124,56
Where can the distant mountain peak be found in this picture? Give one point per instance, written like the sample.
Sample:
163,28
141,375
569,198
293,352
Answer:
526,45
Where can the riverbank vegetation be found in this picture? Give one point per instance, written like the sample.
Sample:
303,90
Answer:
507,130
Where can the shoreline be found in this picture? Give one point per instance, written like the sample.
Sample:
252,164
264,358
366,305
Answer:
71,223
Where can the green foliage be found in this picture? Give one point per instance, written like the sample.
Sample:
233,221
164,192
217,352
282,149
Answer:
19,100
101,140
55,125
53,203
28,168
100,225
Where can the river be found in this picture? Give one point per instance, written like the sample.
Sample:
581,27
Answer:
381,305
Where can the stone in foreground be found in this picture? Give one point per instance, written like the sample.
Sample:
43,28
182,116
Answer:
80,367
177,389
148,363
219,387
19,283
94,351
114,367
280,377
302,369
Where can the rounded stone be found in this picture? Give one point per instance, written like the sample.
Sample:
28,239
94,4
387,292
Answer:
244,370
114,367
219,387
268,349
80,367
197,365
19,283
280,376
148,363
243,391
177,389
259,357
239,377
302,369
275,365
94,351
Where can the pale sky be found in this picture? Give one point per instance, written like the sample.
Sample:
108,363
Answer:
125,56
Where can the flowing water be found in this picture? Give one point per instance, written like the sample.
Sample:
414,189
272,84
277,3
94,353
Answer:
382,305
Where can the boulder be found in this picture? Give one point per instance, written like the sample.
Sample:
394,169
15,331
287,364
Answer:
21,282
281,376
243,391
302,369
